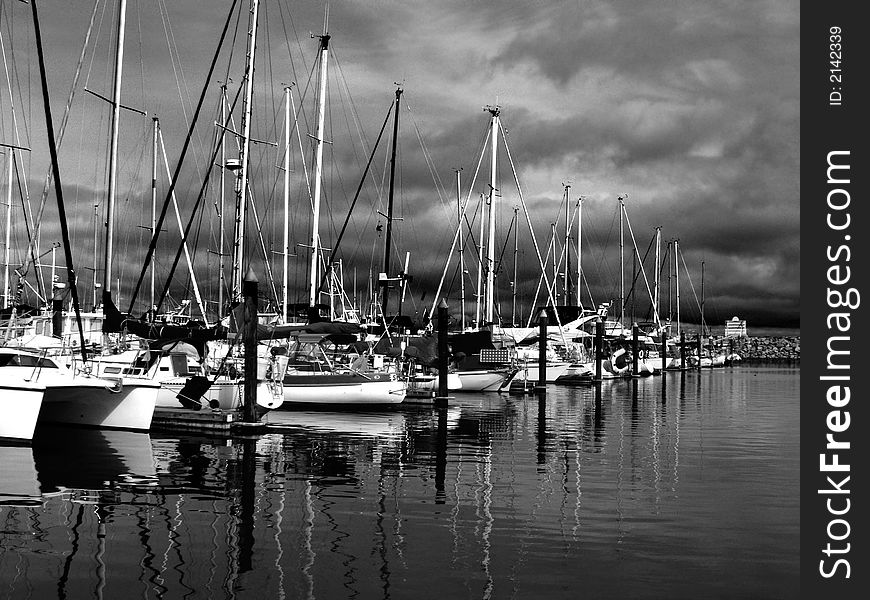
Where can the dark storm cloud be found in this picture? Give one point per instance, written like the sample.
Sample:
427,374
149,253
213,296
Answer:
690,108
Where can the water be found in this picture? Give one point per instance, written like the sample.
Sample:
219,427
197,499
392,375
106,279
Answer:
637,492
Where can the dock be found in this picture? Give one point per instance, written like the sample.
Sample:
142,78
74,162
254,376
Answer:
192,421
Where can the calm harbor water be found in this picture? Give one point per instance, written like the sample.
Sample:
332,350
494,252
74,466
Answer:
687,490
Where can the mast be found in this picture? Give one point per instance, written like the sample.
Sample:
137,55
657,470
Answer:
223,167
677,280
318,170
479,294
461,258
555,266
579,254
657,275
389,235
7,292
61,209
703,323
113,158
242,185
154,126
490,246
567,268
286,266
97,284
404,283
516,251
621,265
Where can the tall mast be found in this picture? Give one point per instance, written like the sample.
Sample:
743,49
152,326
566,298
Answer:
579,254
480,266
221,249
242,185
703,323
657,276
113,156
490,245
567,268
516,251
286,252
461,258
555,289
389,235
318,170
154,126
7,292
621,267
96,248
677,280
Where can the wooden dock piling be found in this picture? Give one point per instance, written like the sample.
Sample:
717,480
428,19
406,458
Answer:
541,388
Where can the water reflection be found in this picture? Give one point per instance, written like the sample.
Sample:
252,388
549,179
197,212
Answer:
494,496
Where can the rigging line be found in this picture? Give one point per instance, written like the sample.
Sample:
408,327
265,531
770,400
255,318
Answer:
459,225
531,230
67,248
642,270
356,195
550,243
153,245
439,184
15,125
691,285
439,187
196,293
287,40
180,79
302,150
190,221
103,14
570,230
30,235
20,88
141,62
267,263
498,263
63,123
226,76
602,260
642,263
354,112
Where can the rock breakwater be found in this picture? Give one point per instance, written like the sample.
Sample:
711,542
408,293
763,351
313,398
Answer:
761,348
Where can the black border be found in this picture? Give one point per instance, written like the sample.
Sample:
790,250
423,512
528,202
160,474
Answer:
826,128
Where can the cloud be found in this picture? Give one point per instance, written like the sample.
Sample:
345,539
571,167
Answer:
690,108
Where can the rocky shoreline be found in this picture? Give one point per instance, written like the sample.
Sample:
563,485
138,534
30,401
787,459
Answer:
761,348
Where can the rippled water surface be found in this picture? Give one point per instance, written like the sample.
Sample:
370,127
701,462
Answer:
640,490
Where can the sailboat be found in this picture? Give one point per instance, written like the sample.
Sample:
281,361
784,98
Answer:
72,396
480,362
324,362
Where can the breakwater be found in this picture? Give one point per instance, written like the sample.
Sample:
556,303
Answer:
761,347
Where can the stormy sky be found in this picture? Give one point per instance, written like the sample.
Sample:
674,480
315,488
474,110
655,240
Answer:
687,109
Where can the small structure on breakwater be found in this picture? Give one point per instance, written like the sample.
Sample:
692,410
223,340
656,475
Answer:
735,327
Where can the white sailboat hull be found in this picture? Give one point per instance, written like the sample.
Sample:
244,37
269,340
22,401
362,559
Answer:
91,403
337,389
20,403
554,370
429,383
480,381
